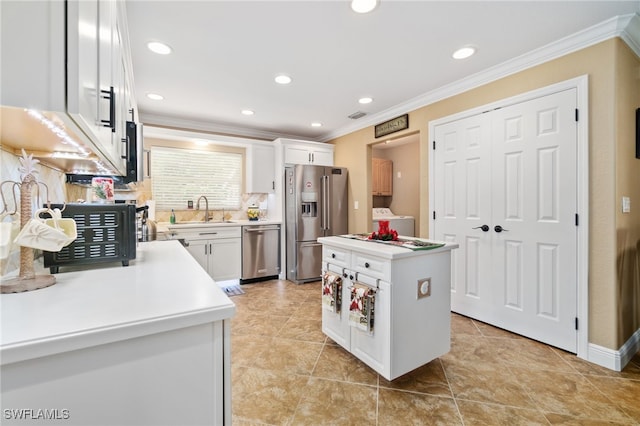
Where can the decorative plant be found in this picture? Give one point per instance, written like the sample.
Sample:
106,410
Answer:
384,233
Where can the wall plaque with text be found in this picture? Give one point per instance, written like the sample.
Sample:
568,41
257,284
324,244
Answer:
392,126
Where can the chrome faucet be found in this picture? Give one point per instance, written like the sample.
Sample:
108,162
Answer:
206,207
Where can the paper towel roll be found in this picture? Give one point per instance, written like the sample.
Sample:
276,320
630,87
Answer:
152,209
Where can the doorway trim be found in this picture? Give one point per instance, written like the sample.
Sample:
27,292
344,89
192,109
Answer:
581,84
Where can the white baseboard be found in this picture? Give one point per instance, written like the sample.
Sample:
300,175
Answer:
615,360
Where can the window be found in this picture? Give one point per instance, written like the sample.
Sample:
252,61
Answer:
182,175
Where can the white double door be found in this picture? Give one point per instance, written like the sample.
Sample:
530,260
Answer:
505,190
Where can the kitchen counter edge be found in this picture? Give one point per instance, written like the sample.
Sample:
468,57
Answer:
384,250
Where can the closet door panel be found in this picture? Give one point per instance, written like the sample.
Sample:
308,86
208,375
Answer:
534,201
514,170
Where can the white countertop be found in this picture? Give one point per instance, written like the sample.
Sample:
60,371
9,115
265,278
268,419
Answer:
163,289
386,251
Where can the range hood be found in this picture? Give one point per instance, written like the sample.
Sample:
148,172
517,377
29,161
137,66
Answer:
50,140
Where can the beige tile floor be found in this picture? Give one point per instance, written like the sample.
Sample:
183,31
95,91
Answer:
286,372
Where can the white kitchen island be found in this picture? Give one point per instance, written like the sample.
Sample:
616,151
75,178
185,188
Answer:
147,344
412,316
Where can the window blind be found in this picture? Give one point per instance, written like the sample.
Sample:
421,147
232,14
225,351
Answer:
182,175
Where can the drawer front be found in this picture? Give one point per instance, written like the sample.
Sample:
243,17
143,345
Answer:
211,233
372,266
336,256
217,233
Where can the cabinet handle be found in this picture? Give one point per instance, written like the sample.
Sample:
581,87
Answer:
148,151
484,228
344,275
366,264
111,95
126,148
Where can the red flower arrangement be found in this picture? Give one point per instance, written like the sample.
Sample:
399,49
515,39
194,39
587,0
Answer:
384,233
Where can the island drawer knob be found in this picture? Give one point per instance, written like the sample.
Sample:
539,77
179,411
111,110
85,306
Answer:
366,264
333,255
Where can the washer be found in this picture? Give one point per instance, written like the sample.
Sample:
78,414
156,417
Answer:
404,225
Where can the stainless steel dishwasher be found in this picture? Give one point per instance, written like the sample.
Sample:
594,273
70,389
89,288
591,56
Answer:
260,252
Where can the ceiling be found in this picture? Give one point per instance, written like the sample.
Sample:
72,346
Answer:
227,53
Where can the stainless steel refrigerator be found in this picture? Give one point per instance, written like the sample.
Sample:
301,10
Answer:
315,206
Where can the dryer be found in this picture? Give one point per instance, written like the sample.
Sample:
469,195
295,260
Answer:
404,225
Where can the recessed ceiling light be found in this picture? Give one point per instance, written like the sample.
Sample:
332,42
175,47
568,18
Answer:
201,142
159,48
155,96
365,100
283,79
247,112
464,52
363,6
316,124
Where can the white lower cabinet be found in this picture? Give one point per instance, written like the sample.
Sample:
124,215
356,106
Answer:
217,250
410,328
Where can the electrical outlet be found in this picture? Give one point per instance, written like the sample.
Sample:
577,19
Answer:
356,205
399,175
626,205
424,288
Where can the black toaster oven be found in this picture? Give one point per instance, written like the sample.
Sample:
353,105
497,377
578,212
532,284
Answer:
106,233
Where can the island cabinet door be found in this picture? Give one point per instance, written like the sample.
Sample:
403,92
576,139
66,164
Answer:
374,347
335,322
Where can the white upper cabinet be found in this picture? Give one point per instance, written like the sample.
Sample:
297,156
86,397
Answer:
261,177
89,93
306,152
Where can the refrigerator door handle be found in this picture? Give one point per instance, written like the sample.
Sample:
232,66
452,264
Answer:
325,203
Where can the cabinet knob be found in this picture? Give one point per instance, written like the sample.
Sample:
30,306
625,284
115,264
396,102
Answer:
366,264
333,255
351,277
344,275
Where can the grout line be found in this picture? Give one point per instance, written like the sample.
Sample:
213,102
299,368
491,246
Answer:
377,399
453,395
539,409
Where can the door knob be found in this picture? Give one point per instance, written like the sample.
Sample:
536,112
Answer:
499,228
484,228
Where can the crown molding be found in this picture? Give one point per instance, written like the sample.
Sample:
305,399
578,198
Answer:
631,33
627,27
166,121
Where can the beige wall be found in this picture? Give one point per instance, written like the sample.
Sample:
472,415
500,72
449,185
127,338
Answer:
627,90
604,63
